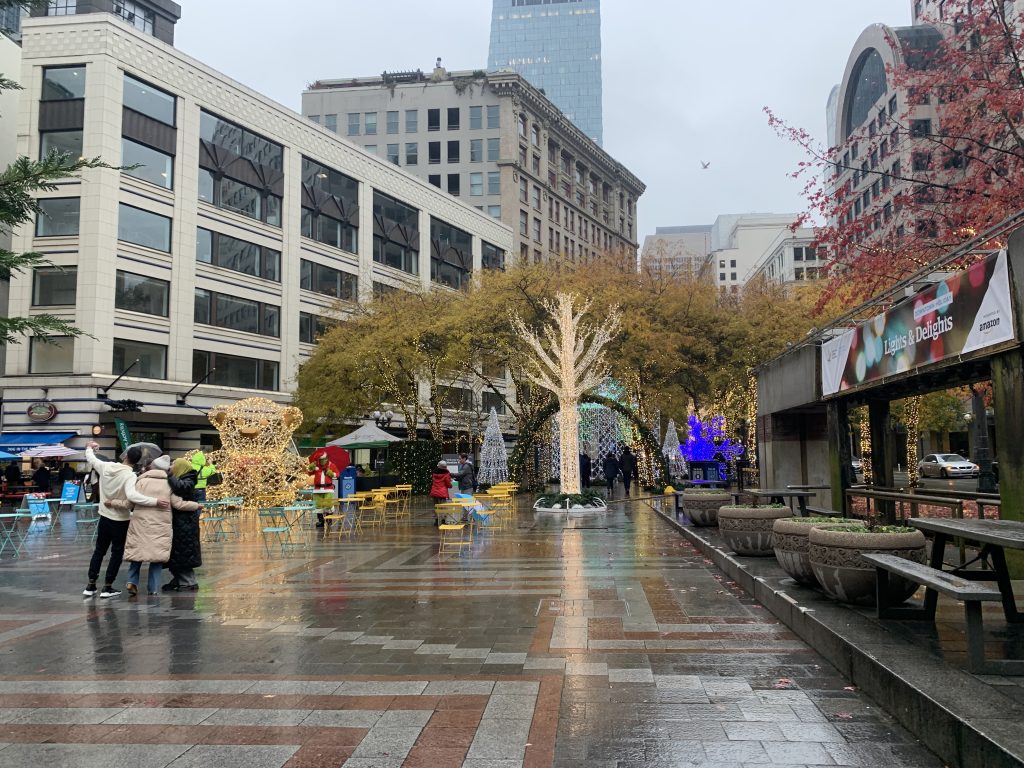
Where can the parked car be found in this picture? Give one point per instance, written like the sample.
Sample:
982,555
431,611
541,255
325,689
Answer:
946,465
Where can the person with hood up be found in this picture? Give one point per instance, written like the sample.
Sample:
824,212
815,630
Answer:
627,465
440,483
204,469
150,528
610,468
186,549
116,482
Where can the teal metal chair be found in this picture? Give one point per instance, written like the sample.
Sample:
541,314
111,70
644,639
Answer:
12,536
87,521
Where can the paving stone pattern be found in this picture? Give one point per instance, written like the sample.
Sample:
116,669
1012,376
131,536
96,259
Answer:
604,641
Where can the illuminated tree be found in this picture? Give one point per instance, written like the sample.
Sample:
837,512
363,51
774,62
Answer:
493,454
671,449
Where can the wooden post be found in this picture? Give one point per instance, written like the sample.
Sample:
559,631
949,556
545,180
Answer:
882,453
840,455
1008,396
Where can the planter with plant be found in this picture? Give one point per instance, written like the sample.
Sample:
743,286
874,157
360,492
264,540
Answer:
791,544
562,502
701,505
835,553
748,530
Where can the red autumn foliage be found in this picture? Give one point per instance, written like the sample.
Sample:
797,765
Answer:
966,169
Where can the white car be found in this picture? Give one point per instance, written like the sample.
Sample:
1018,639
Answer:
946,465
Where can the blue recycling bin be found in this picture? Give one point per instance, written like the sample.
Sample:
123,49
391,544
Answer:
348,481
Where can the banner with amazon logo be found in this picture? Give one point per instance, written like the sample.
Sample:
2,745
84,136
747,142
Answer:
968,311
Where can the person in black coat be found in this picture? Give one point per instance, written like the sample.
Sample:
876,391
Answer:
41,478
610,468
584,470
186,550
12,473
627,465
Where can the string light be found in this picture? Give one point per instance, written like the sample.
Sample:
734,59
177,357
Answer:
865,447
913,425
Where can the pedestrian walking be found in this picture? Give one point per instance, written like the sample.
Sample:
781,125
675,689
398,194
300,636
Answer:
116,481
585,466
440,484
150,528
41,477
627,465
12,473
186,548
204,470
610,468
465,475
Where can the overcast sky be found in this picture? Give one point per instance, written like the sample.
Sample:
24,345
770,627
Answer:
684,80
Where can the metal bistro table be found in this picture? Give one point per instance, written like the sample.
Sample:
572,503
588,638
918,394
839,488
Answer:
779,496
994,536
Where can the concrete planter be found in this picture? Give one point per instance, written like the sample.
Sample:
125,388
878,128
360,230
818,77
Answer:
834,553
702,506
791,545
748,530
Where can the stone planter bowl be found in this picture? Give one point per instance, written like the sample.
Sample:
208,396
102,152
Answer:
748,530
834,553
791,545
702,506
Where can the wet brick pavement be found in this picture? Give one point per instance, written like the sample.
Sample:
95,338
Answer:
604,641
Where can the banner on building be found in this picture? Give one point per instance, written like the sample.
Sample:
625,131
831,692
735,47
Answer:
123,433
968,311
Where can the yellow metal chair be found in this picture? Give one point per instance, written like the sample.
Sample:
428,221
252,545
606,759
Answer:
343,520
391,500
370,512
405,495
457,536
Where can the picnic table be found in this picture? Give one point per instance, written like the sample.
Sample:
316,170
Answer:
779,496
993,536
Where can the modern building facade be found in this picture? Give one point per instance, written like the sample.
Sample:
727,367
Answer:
498,143
556,46
792,259
204,274
153,17
678,252
738,242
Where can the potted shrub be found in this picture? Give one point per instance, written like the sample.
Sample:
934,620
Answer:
790,543
834,552
748,530
701,504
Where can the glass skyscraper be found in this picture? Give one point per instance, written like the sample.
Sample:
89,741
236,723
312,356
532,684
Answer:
555,45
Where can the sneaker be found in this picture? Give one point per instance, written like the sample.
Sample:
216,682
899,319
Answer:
132,589
90,589
109,592
152,593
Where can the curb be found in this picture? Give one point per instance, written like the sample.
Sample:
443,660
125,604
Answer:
948,710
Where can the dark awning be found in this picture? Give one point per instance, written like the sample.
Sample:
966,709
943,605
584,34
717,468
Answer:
19,442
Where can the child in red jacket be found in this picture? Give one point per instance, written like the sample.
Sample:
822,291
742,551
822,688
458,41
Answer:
440,482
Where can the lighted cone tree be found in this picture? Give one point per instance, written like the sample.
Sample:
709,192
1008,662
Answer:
568,362
670,448
493,455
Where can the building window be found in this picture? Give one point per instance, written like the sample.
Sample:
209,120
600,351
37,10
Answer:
330,206
57,217
535,165
137,293
312,327
476,118
732,276
451,255
476,184
453,184
328,281
54,287
492,257
392,121
412,153
65,142
920,129
535,135
353,123
453,118
721,277
370,123
434,152
433,119
493,150
524,223
147,100
396,233
536,230
152,358
522,125
453,151
315,119
535,197
476,150
434,179
237,314
133,13
494,211
494,116
494,182
393,154
412,120
61,8
152,165
63,83
234,371
53,354
331,123
150,230
228,252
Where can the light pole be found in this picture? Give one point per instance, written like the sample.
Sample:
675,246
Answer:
979,415
382,418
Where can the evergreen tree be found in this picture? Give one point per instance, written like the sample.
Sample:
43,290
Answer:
493,456
671,449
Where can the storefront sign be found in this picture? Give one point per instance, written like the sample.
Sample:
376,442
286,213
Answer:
41,412
967,312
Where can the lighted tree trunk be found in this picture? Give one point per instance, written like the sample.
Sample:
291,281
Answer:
568,362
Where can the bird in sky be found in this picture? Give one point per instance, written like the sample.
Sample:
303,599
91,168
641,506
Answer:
704,165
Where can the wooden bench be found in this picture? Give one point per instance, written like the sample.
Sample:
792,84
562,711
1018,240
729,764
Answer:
822,512
971,593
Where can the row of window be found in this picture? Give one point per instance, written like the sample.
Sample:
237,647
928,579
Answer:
365,123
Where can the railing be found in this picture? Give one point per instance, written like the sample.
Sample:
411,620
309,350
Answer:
901,501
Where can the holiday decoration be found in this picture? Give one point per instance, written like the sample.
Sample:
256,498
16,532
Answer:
913,428
493,456
865,447
568,365
707,441
671,449
255,460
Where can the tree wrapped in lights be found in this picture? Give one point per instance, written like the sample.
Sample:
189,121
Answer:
493,456
567,361
707,441
671,449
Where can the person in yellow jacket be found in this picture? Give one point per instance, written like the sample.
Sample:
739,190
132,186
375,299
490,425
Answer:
204,468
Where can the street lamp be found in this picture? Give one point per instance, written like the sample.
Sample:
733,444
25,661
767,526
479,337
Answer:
382,418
